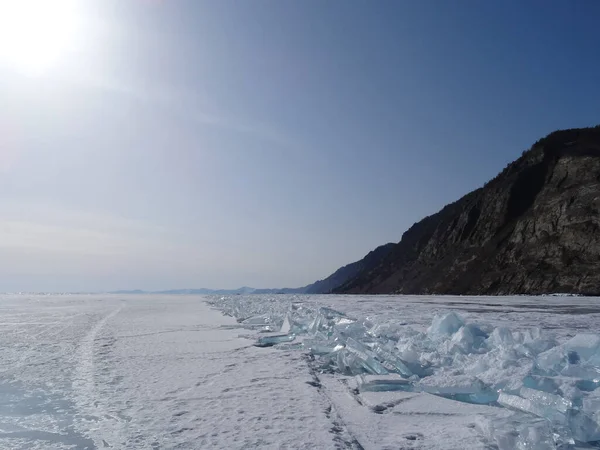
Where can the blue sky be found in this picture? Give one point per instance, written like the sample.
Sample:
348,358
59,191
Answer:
189,143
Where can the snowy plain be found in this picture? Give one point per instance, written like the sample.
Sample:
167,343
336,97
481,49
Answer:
166,372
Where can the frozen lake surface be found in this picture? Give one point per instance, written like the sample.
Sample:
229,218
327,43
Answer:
163,372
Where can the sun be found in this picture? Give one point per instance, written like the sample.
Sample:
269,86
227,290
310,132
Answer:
35,34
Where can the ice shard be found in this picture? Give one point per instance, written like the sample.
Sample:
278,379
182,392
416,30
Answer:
540,383
364,355
258,321
475,392
285,327
320,347
536,436
269,341
530,406
546,400
585,427
391,362
382,383
445,325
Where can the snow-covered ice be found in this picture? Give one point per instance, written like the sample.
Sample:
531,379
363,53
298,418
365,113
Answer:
163,372
148,372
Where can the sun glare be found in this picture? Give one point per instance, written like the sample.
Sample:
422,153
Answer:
35,34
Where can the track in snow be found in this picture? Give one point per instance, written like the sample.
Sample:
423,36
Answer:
88,402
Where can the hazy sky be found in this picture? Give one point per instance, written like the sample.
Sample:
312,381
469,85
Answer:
189,143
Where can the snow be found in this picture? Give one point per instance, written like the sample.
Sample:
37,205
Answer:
156,371
151,372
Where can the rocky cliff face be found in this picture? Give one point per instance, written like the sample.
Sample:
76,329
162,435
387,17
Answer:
348,272
533,229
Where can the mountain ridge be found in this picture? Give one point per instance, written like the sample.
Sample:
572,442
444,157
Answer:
324,286
532,229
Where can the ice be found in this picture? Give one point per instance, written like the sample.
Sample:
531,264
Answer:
501,336
364,357
584,347
587,385
526,370
585,427
523,432
80,372
476,398
346,363
592,405
388,330
382,383
444,325
318,347
538,436
530,406
268,341
582,350
285,327
390,361
583,371
546,384
468,339
547,400
471,390
257,321
571,422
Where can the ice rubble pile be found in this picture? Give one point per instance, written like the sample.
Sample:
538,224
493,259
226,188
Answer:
553,386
